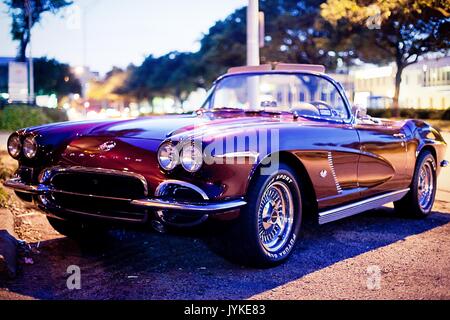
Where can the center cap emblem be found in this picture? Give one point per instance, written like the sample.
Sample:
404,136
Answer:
107,146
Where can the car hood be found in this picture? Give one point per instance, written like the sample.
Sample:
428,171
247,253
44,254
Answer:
161,128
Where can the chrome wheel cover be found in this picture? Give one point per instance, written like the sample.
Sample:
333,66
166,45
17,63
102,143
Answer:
275,216
425,188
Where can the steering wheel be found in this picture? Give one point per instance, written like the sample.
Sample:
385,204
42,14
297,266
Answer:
321,105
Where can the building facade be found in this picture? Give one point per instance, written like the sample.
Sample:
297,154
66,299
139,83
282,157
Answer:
425,84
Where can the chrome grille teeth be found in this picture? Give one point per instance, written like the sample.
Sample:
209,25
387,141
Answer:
333,172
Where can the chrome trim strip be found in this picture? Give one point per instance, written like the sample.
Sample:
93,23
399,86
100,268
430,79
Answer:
202,207
88,214
50,190
199,207
158,191
243,154
360,206
17,185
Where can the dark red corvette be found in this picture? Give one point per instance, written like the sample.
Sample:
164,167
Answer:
270,144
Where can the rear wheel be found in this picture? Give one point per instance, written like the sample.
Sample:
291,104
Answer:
267,228
419,201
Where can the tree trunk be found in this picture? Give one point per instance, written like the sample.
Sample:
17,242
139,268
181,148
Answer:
398,82
22,54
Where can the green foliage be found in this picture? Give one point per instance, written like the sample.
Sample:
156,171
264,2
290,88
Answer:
173,74
52,77
55,115
295,33
424,114
19,14
19,116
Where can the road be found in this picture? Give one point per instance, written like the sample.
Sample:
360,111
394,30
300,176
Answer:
376,255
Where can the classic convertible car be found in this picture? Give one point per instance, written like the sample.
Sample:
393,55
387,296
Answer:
270,144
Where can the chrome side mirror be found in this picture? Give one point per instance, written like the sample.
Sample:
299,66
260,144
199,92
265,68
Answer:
359,111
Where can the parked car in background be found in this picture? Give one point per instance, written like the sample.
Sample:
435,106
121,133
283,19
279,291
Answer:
270,144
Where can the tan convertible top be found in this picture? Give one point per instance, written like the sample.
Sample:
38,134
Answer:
278,67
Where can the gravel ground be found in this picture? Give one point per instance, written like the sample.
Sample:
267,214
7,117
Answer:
376,255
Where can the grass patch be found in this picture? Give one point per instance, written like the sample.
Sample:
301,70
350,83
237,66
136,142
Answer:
15,117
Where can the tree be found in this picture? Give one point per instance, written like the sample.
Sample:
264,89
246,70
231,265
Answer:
19,10
295,33
106,88
52,77
173,74
403,31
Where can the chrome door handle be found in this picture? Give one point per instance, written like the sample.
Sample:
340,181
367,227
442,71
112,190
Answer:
400,135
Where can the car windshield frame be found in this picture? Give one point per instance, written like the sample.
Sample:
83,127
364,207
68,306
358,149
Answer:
211,95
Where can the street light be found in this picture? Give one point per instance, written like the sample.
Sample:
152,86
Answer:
253,44
29,11
253,58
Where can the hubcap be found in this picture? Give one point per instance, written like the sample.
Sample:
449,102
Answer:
275,216
426,186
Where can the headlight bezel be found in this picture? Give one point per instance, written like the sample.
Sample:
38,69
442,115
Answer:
19,148
30,142
195,160
163,162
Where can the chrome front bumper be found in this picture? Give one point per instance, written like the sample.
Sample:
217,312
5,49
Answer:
205,207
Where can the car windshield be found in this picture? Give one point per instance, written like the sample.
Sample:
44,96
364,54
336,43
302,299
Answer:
305,94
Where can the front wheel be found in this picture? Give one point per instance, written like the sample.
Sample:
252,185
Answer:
419,201
267,229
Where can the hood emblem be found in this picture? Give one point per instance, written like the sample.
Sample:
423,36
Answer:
107,146
324,173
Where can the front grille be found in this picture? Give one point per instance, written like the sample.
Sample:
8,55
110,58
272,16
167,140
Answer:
97,193
112,209
99,184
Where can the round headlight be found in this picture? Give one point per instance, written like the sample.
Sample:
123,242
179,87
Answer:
191,158
30,147
14,145
168,156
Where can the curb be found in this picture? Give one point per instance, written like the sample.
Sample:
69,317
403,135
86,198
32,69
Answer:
8,245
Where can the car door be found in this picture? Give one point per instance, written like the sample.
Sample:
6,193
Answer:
382,164
334,142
